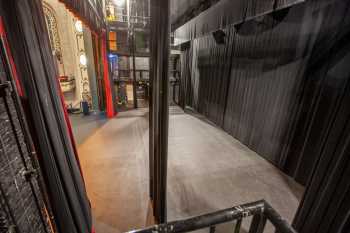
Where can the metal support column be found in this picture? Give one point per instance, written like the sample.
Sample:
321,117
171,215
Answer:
134,65
159,112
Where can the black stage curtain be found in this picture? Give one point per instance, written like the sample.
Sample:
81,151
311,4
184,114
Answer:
159,106
321,91
261,81
326,204
280,83
29,42
321,137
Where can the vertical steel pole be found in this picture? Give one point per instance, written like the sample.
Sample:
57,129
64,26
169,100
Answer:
132,47
159,111
134,65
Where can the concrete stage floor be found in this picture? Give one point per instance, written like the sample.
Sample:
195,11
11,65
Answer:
208,170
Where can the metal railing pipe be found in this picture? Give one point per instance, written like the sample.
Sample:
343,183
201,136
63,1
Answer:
260,210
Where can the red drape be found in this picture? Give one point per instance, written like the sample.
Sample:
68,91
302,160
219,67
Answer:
20,91
108,89
21,94
9,56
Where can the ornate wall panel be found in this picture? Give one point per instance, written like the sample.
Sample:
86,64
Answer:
51,23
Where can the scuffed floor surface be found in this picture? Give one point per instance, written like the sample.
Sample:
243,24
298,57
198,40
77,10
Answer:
115,166
85,126
208,170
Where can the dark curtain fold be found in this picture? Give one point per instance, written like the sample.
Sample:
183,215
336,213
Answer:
326,205
280,84
263,84
323,122
247,85
323,87
29,43
159,106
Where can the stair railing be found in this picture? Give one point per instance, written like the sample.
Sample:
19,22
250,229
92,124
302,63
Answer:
261,212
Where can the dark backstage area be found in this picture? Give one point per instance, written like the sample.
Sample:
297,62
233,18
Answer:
174,116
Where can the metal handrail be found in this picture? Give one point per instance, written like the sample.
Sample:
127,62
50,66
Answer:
125,75
260,210
133,18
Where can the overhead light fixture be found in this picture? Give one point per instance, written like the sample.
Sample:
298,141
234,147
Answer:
83,59
112,55
79,26
119,3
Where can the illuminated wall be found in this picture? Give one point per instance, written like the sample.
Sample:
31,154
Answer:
69,42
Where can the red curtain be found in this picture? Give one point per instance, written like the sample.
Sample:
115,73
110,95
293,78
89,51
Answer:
20,91
9,55
109,98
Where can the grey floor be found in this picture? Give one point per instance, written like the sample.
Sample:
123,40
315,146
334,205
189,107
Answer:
114,160
85,126
207,170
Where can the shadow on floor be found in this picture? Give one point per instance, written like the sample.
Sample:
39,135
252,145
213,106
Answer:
115,165
209,170
85,126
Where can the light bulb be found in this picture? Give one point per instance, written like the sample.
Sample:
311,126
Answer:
79,26
83,59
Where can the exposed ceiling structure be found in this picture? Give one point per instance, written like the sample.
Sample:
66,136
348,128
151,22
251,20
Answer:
184,10
229,12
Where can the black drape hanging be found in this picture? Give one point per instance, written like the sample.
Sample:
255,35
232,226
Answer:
247,84
323,86
323,124
325,207
257,85
159,106
29,42
280,84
